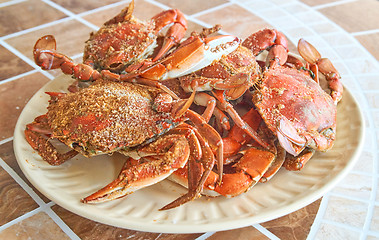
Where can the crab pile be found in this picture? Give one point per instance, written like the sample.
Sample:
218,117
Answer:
202,111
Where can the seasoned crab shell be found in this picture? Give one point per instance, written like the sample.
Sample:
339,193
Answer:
107,117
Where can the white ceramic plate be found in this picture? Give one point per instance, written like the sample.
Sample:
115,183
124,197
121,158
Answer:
285,193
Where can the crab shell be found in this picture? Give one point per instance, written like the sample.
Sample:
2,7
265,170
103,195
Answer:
119,43
107,117
289,93
234,72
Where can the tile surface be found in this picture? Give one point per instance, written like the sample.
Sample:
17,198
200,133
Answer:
20,91
23,16
38,226
14,201
8,59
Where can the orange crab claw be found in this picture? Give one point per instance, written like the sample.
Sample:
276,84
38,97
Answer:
325,66
171,152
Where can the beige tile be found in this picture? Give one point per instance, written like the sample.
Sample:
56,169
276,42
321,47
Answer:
346,211
370,42
87,229
190,7
142,10
24,15
354,16
327,231
14,201
317,2
355,185
79,6
365,162
295,225
38,226
13,97
239,234
7,155
11,65
369,82
235,20
70,36
375,220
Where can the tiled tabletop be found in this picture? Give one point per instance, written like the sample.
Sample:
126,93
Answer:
346,31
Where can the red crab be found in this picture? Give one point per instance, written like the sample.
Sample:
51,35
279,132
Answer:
139,122
294,106
230,77
122,49
245,162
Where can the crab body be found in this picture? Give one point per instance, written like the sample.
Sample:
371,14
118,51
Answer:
289,94
107,117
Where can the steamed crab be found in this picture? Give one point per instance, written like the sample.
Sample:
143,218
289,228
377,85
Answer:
293,104
298,118
137,121
126,49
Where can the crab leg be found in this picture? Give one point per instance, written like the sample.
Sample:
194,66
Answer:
165,155
293,163
264,39
198,171
312,56
240,178
212,136
226,106
175,32
35,134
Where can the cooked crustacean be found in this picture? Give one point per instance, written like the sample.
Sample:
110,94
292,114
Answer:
230,77
137,121
123,50
294,106
245,162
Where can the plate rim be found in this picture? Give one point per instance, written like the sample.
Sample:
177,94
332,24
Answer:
179,228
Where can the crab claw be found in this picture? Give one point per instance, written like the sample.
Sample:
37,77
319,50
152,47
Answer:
195,53
162,157
287,135
45,43
325,66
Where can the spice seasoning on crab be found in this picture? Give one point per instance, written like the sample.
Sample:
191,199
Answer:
107,117
138,121
293,104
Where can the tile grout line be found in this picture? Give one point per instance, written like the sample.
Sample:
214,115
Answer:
319,216
10,3
332,4
265,232
32,29
62,225
45,207
18,77
105,7
25,59
20,218
205,236
373,233
22,183
336,194
342,225
71,14
6,140
227,4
